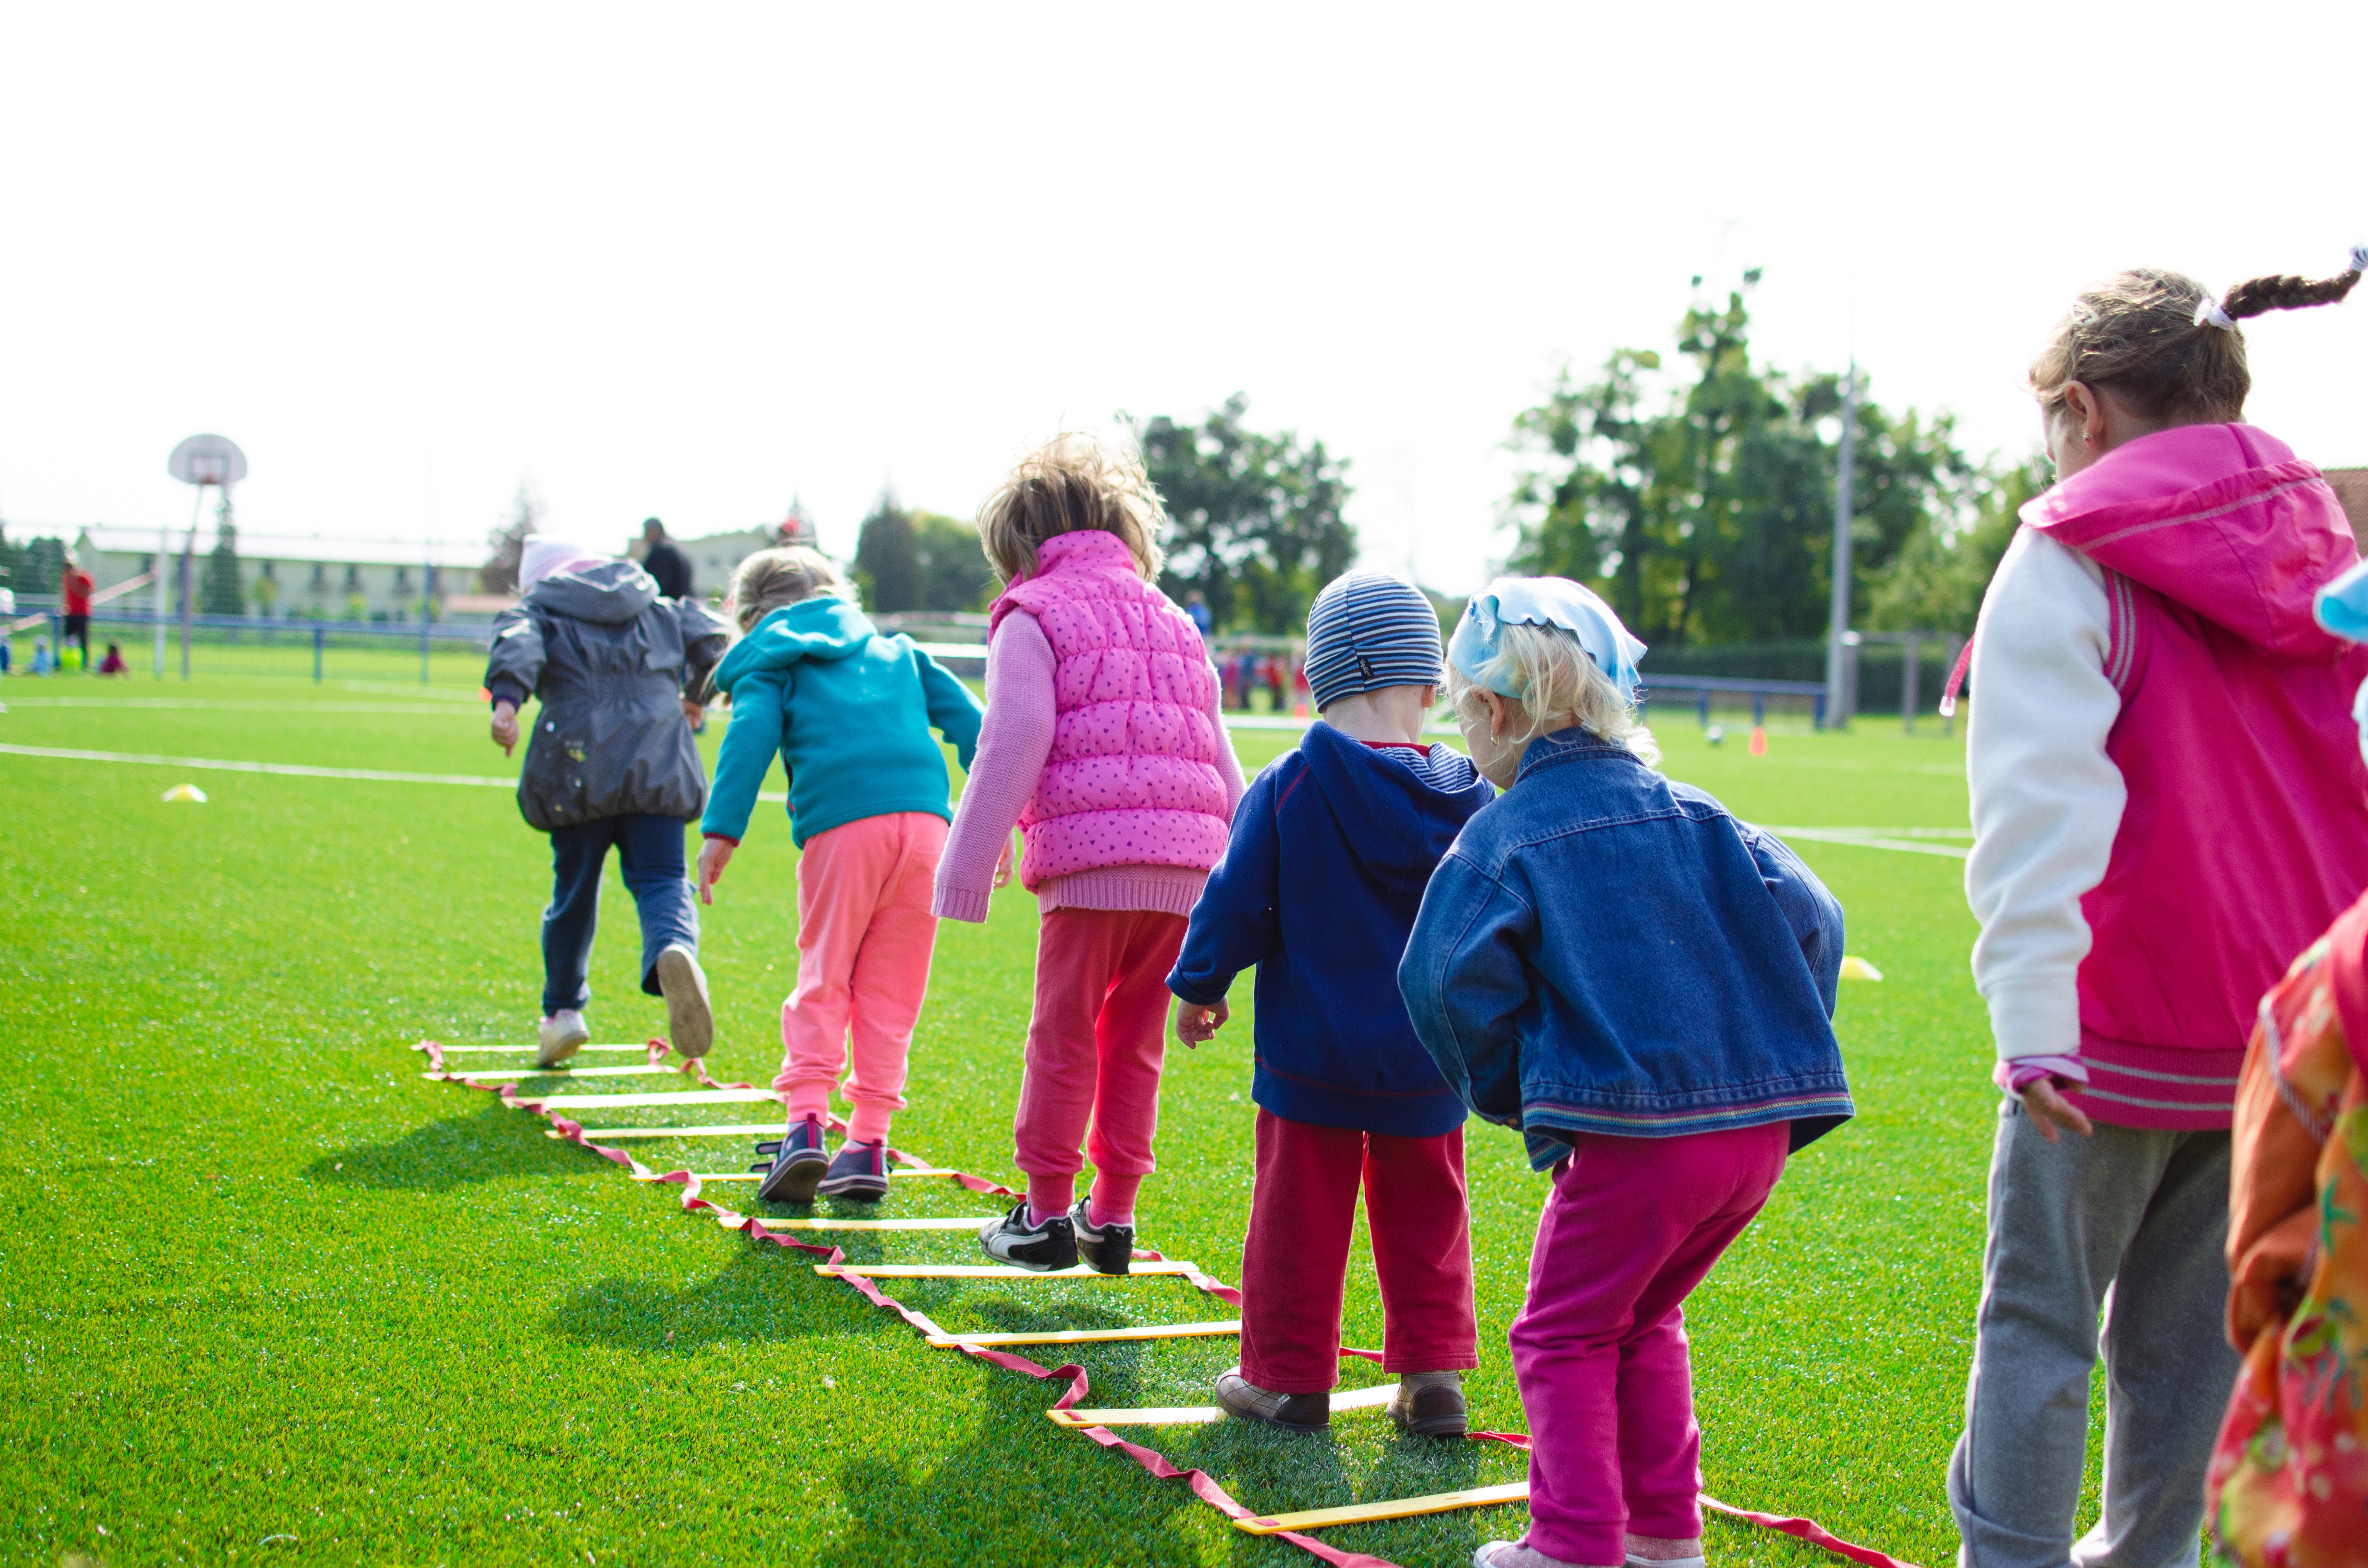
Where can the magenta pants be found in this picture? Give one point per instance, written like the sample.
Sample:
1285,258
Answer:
864,936
1295,1258
1096,1043
1599,1349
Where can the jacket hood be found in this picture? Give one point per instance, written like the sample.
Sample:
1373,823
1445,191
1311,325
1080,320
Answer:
2223,519
824,627
1401,819
608,594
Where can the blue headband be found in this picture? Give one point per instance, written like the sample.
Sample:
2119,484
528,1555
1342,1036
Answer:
1544,601
2342,605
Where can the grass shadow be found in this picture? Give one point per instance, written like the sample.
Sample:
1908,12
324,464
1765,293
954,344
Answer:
752,1300
457,1151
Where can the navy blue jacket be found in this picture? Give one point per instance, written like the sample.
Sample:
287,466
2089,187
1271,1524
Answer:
1603,951
1319,887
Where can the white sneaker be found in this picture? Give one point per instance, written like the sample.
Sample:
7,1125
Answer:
560,1035
690,1022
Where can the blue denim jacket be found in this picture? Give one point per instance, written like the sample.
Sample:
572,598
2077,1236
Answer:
1603,951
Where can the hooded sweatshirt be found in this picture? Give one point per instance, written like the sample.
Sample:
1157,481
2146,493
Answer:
610,660
1319,885
2166,779
848,710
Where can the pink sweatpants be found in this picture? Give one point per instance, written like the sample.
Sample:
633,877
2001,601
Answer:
1599,1349
864,936
1095,1048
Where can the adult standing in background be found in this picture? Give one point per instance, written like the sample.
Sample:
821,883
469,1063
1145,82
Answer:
664,561
76,585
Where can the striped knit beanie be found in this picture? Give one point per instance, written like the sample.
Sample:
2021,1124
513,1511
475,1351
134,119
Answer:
1368,631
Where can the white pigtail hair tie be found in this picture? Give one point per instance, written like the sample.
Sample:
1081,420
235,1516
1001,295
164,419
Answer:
2207,309
2359,259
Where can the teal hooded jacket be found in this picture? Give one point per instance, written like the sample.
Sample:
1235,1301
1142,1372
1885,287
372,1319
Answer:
848,710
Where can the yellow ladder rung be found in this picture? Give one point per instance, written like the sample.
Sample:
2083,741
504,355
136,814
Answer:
1094,1335
1403,1508
989,1270
1190,1415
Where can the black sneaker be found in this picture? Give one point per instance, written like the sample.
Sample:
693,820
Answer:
1292,1411
859,1172
1106,1250
1430,1409
1052,1245
798,1163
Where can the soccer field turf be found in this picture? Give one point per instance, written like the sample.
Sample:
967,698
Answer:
263,1282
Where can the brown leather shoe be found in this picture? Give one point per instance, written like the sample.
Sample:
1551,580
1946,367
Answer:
1435,1410
1292,1411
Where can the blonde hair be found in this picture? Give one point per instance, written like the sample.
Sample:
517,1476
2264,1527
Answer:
2148,335
1556,680
783,575
1073,483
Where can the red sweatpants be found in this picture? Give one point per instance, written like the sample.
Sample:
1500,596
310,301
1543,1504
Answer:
1296,1258
1095,1046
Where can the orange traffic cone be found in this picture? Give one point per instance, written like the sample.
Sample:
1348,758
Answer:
1758,747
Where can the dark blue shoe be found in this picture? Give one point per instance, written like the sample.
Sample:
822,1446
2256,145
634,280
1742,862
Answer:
799,1161
861,1172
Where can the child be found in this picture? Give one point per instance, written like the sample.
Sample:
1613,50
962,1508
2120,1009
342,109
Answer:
849,713
113,663
1642,985
1104,741
2166,804
611,763
1330,851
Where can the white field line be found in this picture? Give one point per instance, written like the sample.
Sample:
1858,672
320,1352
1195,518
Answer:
1906,840
224,705
492,1073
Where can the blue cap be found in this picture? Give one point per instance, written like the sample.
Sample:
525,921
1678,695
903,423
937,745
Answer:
1367,631
1544,601
2342,606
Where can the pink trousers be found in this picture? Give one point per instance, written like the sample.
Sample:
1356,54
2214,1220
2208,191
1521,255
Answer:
1295,1258
864,936
1599,1349
1095,1048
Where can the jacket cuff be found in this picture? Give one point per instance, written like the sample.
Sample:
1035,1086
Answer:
962,903
1198,996
728,838
503,689
2039,1016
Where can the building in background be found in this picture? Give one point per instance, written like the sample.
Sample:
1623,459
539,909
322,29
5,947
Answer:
291,577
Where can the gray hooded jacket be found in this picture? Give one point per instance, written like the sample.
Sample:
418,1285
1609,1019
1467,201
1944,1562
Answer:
610,660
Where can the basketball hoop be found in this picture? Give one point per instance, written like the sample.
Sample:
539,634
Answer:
206,459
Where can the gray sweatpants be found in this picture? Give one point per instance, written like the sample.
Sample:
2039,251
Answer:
2130,1222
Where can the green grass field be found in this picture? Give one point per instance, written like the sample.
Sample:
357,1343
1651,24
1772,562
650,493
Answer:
262,1282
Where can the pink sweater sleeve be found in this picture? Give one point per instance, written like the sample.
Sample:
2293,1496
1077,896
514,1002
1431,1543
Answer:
1015,741
1229,767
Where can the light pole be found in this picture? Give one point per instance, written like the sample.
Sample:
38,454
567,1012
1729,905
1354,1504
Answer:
1837,630
200,461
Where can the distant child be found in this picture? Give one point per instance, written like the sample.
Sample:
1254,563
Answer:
849,712
1331,849
1642,985
2166,789
1104,741
43,661
113,663
611,763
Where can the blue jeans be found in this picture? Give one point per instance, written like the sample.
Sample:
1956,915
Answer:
649,851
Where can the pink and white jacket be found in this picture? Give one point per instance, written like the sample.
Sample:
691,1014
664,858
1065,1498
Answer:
2169,800
1103,740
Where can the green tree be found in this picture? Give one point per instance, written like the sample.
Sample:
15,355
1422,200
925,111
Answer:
219,593
1702,505
954,573
888,558
1937,580
33,567
1257,523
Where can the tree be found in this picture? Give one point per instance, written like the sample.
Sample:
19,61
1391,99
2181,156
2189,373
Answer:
1257,523
1937,580
500,572
888,558
954,573
1702,507
218,592
33,567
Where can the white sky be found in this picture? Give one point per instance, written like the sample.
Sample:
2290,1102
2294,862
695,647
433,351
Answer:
690,260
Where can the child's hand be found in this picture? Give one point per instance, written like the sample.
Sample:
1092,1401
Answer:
504,727
694,710
2048,1109
1195,1023
713,855
1007,863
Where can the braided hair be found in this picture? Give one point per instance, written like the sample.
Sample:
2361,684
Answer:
2157,338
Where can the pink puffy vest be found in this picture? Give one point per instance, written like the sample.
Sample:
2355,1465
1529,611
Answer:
2246,831
1132,776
